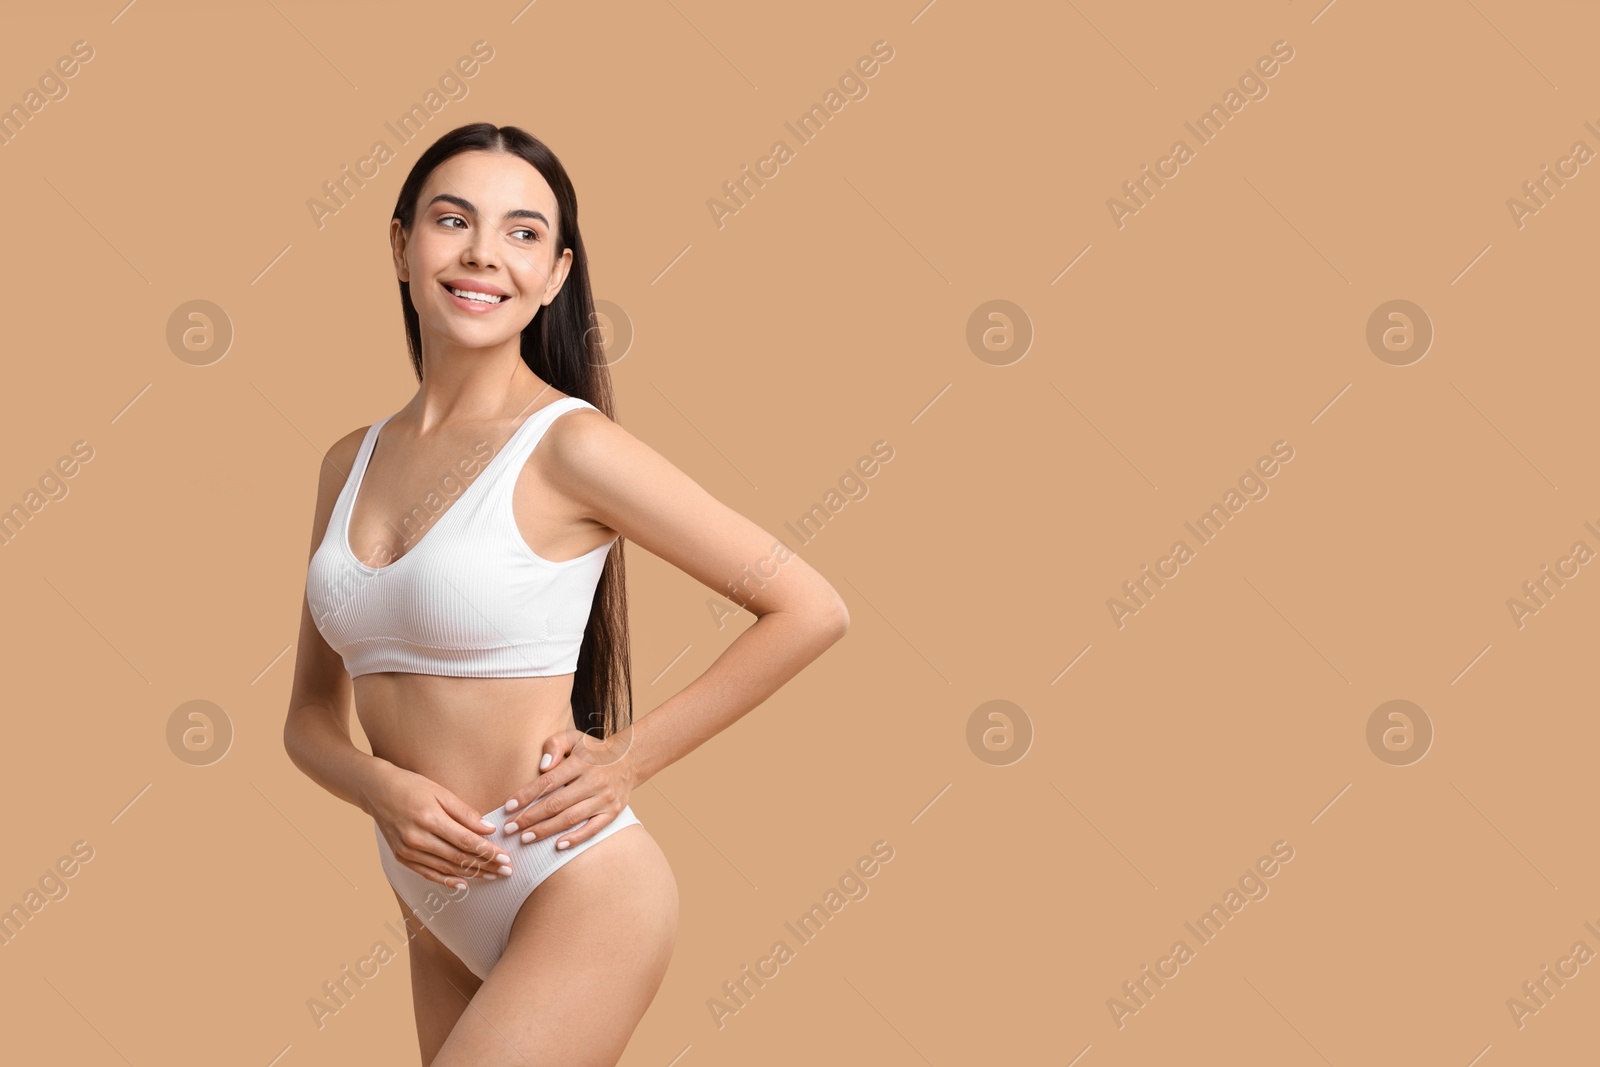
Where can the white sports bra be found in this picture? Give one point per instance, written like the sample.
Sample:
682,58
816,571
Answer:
470,599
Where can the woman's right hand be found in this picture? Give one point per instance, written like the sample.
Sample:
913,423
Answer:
430,829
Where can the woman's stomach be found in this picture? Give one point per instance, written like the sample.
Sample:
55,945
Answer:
480,738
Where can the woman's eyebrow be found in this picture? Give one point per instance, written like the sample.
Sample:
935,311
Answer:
467,206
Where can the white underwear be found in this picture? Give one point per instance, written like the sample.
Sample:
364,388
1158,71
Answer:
475,922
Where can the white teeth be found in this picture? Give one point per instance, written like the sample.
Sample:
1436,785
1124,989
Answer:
468,294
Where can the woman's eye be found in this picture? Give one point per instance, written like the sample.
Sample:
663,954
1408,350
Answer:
533,235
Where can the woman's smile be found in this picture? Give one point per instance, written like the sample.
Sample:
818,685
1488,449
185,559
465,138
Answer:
479,301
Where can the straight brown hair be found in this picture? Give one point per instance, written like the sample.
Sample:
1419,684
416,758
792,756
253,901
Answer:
562,346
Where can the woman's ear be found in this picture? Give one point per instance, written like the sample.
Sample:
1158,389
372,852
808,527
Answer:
397,244
558,277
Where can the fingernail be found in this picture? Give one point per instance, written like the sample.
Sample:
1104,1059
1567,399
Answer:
511,827
502,857
511,805
544,764
562,844
527,837
488,878
488,825
503,870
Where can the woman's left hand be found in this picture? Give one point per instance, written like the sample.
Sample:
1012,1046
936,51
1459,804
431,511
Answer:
589,779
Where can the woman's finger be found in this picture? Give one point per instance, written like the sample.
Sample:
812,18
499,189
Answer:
432,874
424,845
429,865
556,746
463,813
536,797
596,823
467,849
565,819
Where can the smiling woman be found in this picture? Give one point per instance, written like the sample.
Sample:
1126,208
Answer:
487,656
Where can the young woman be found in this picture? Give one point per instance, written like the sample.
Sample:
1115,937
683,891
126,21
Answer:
465,591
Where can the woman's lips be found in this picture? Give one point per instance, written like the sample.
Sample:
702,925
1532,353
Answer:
472,305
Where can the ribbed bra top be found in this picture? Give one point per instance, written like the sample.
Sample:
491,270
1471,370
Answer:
470,599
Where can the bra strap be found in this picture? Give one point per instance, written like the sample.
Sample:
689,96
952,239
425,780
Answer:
526,442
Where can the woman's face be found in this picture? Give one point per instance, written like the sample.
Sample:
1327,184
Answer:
485,221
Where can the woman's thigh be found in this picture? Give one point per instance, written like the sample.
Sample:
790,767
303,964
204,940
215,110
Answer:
588,951
441,985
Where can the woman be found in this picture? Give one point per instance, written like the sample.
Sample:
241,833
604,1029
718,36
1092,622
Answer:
449,595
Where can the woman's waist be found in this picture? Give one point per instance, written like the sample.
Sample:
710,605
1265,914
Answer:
480,742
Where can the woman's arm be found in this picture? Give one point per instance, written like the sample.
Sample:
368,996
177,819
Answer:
316,730
749,671
618,480
758,662
429,829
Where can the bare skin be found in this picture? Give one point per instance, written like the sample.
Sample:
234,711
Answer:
616,902
590,945
419,721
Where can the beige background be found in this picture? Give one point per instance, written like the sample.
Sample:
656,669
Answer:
831,312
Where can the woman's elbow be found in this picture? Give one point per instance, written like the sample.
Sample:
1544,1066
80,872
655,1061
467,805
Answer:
838,618
290,735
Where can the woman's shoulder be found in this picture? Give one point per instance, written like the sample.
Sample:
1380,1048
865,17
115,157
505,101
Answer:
338,462
341,455
580,424
582,441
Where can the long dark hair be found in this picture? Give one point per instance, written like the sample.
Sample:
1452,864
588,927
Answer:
562,346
